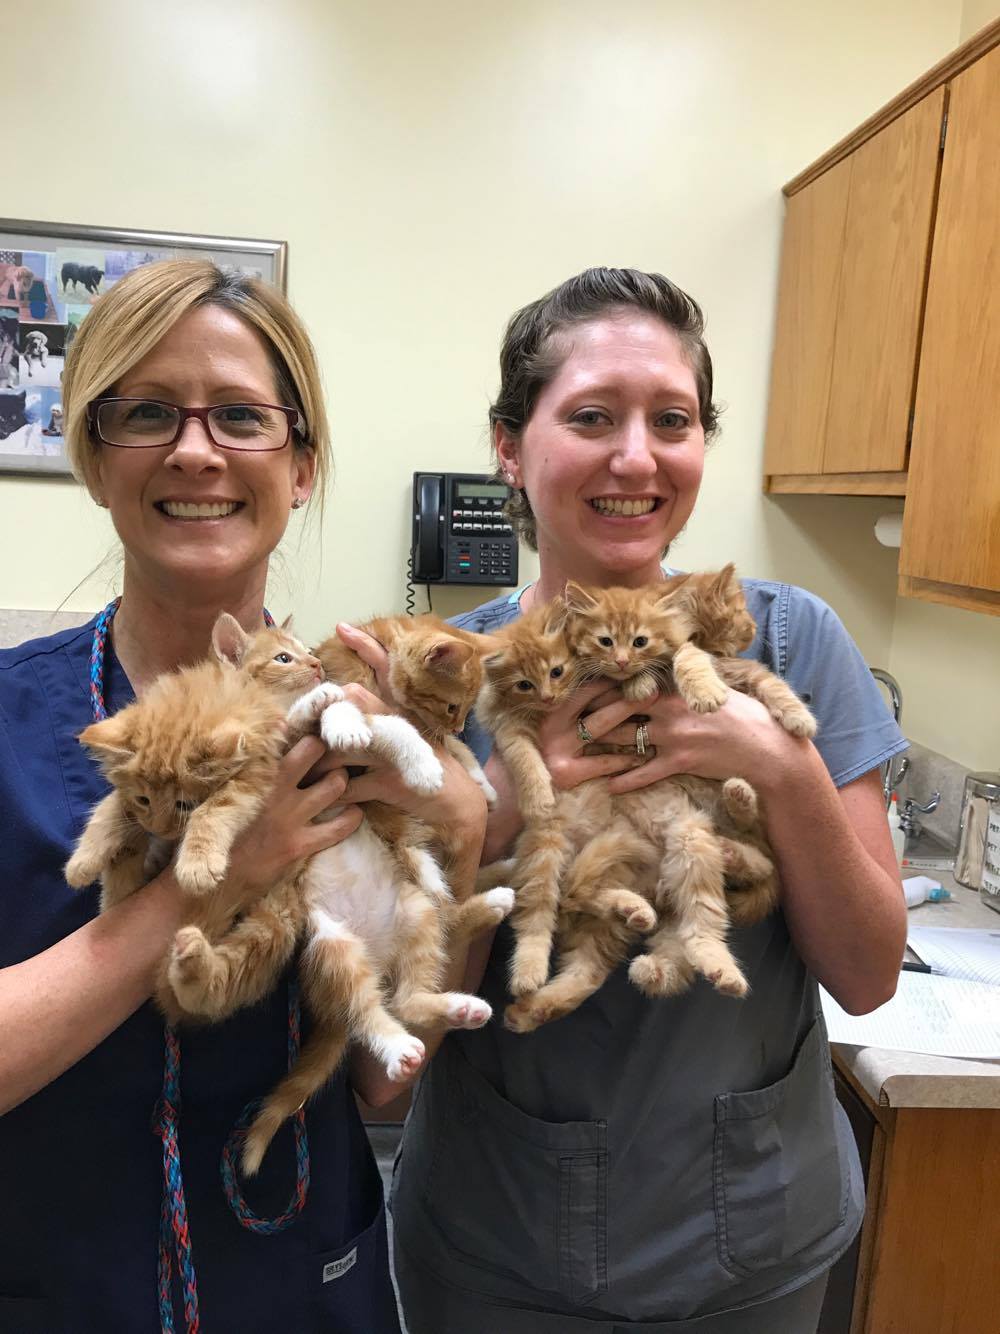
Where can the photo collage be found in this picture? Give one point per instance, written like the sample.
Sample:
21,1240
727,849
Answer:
45,295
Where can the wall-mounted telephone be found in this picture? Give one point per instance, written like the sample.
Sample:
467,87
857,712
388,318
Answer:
460,532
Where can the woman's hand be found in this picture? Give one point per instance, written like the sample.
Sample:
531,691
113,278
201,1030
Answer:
283,832
739,740
561,746
458,809
371,653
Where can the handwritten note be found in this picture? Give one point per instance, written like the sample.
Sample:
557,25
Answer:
939,1016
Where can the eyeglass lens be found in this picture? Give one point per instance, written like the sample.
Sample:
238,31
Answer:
238,425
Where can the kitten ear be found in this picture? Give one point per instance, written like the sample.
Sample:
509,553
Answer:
578,598
555,614
226,742
111,738
447,656
286,624
229,640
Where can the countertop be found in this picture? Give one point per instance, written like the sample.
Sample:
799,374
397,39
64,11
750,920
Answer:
908,1079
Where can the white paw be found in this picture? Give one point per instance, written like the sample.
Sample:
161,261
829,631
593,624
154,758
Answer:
403,1056
343,727
488,790
502,899
467,1011
422,773
308,707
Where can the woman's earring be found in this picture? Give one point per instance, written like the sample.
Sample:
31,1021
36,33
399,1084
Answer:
297,503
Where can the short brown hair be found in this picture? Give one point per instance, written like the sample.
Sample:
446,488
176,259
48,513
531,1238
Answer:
132,317
530,355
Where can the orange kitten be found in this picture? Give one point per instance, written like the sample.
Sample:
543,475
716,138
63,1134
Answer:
435,674
190,764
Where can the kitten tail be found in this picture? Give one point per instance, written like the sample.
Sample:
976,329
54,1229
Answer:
320,1055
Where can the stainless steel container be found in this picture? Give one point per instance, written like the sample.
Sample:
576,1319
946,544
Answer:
982,791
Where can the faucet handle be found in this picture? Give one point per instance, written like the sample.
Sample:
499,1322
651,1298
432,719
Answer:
908,821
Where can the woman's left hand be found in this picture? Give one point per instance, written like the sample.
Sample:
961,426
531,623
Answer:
739,740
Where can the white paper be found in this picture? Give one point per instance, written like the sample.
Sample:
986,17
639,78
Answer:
958,952
938,1016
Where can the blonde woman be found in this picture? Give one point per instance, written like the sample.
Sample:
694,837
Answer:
194,415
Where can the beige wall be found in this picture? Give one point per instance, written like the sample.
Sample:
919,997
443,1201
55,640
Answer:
976,14
432,167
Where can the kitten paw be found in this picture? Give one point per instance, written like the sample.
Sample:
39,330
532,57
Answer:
467,1011
309,706
718,966
659,977
423,773
190,971
82,870
740,800
528,975
403,1056
708,699
343,727
641,917
797,720
501,900
643,686
520,1017
730,981
200,872
487,788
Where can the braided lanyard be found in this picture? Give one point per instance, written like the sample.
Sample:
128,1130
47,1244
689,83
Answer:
174,1234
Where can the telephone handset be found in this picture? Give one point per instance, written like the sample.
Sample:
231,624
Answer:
460,532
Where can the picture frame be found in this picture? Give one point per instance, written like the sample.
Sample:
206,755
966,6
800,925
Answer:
51,273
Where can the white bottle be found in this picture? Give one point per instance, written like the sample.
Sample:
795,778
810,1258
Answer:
898,837
919,889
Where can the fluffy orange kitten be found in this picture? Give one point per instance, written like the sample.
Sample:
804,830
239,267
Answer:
662,856
190,764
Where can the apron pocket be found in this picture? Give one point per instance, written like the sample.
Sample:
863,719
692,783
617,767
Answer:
350,1288
518,1195
779,1181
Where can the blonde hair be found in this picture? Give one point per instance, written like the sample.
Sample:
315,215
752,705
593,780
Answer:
131,318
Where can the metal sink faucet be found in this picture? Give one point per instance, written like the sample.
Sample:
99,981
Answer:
891,780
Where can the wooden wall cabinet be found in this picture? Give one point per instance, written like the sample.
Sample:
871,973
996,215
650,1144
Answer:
854,268
886,369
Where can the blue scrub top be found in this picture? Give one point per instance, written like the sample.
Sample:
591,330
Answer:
80,1167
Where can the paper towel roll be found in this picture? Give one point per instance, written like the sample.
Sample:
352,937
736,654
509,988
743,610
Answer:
889,529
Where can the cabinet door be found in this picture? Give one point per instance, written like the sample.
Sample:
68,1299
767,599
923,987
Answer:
811,256
884,277
951,525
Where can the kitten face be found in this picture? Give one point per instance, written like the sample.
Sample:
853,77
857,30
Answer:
436,677
534,669
281,662
272,656
163,771
717,606
622,632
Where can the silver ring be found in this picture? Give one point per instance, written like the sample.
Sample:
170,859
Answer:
582,732
641,739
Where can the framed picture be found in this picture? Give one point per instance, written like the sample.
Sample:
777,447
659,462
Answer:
50,275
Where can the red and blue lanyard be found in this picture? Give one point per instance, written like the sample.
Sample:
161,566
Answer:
175,1238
